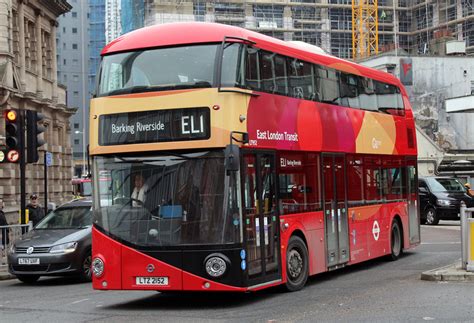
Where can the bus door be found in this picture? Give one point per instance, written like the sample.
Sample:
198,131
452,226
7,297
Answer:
412,195
261,220
335,210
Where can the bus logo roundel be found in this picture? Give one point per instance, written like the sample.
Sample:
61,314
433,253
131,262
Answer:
150,268
376,230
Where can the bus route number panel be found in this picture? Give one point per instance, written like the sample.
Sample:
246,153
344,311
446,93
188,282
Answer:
154,126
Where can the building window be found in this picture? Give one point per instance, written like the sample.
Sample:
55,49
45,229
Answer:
47,54
74,46
15,37
74,14
76,126
65,78
75,93
74,30
64,61
75,78
64,29
31,57
76,141
75,62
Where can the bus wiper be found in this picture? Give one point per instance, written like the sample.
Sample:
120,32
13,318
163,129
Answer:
167,87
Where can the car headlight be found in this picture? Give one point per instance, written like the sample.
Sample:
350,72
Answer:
444,202
64,248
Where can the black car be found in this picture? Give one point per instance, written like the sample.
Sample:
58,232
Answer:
440,199
59,245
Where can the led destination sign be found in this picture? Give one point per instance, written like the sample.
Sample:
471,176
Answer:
154,126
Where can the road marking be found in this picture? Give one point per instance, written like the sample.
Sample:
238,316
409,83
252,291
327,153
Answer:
441,243
80,301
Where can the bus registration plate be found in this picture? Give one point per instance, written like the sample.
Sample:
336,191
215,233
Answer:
151,281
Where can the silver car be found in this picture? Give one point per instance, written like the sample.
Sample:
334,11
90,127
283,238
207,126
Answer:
60,244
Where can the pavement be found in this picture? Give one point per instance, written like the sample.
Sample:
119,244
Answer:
4,274
452,272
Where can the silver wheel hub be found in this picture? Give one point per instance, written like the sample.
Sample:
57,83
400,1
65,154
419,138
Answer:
295,263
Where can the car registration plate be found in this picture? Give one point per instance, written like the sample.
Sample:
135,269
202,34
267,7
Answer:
151,281
28,261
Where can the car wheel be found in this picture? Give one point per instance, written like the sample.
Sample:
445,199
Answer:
431,216
86,270
395,241
297,268
28,279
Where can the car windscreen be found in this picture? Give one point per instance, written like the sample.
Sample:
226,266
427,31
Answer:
440,185
78,217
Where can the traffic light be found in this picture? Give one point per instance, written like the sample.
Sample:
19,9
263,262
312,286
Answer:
12,134
33,132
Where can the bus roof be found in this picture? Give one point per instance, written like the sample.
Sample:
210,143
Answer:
182,33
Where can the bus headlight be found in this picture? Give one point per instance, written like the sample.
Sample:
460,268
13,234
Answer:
98,267
216,265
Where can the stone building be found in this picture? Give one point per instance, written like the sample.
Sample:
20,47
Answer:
28,80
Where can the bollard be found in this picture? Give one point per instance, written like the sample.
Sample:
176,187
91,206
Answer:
463,236
467,238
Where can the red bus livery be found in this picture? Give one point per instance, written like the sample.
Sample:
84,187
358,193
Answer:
236,161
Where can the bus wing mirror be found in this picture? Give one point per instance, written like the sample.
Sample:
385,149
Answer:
232,158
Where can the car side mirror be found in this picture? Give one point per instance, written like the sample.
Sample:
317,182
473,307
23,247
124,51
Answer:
423,190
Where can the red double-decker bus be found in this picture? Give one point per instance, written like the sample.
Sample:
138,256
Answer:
236,161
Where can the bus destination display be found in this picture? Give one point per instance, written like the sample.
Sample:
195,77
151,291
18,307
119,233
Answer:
154,126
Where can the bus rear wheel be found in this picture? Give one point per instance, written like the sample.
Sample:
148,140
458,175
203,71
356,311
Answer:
395,241
297,268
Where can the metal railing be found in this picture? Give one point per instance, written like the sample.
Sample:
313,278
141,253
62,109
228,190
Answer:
8,235
467,237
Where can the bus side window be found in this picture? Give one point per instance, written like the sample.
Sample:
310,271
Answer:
328,85
281,75
252,69
389,99
301,80
267,72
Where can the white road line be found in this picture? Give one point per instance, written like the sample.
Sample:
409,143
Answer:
441,243
79,301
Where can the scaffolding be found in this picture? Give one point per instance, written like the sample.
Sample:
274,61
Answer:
416,27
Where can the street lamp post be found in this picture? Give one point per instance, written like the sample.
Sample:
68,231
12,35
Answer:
77,132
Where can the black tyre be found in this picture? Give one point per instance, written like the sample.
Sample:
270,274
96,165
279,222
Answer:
86,271
431,216
28,279
396,241
297,267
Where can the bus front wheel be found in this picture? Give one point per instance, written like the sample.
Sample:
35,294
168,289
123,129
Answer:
297,268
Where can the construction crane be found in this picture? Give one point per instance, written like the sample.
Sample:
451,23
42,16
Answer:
365,28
